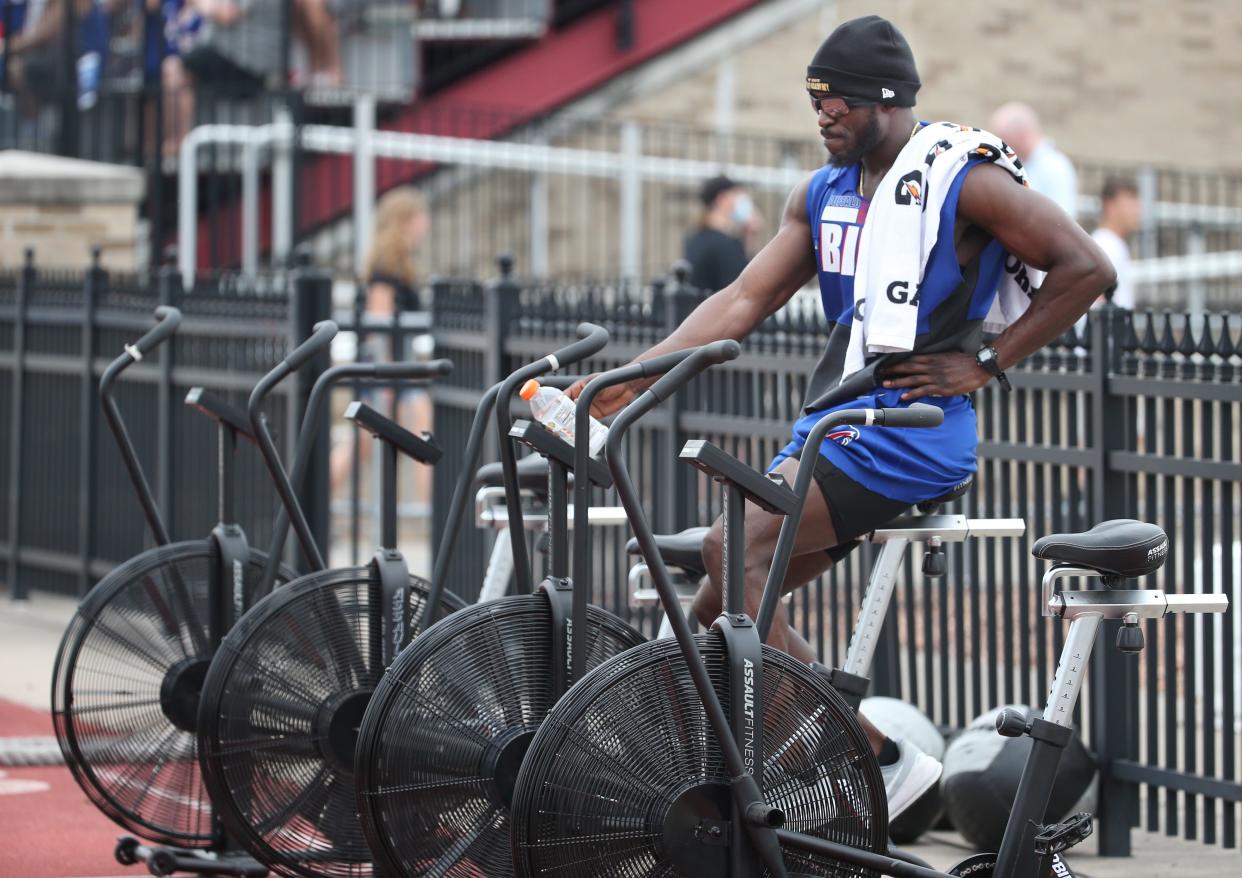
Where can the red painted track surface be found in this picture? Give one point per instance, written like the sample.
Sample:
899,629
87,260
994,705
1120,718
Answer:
48,828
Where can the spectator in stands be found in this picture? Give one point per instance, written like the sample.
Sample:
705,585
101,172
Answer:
716,251
169,30
35,53
232,47
1050,170
402,222
315,25
1121,215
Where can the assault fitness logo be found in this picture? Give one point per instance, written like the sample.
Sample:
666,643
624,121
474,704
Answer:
843,436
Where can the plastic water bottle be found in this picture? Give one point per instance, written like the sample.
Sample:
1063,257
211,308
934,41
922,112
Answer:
555,410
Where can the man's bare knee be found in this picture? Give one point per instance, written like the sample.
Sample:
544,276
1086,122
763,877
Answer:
713,551
706,605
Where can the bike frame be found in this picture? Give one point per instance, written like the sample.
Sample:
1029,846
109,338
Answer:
764,836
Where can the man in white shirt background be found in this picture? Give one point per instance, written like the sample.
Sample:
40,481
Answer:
1121,214
1050,171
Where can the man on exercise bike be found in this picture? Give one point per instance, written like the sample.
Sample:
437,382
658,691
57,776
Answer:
922,236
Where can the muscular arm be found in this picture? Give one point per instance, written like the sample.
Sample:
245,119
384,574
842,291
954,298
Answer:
778,271
1031,227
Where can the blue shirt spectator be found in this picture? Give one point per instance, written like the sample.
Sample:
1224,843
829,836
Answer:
1050,170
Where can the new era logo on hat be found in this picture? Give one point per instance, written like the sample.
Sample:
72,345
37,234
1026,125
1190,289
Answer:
886,93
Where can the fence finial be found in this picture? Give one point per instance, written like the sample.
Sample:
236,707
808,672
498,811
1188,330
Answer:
505,263
29,253
96,255
681,271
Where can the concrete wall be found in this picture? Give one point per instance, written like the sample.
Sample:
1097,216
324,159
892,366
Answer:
64,207
1116,81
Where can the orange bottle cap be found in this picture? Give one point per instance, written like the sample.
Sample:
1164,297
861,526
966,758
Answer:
529,389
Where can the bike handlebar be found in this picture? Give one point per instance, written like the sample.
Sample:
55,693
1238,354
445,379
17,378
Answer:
592,340
702,359
697,361
411,371
321,336
918,415
582,486
169,319
286,483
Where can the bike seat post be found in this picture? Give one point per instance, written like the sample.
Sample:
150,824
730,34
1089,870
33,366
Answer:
733,576
393,619
388,493
558,518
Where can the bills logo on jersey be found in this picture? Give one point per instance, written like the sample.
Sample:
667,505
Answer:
839,229
843,436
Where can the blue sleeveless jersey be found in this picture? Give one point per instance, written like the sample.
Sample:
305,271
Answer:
904,464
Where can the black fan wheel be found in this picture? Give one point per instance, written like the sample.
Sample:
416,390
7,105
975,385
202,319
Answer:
125,688
625,777
279,720
448,729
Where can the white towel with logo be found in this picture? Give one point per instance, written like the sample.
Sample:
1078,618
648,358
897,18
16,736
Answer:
902,227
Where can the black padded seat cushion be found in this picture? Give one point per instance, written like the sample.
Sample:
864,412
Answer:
1121,547
961,489
532,474
684,549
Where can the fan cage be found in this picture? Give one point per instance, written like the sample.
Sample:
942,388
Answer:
444,734
617,755
136,627
294,671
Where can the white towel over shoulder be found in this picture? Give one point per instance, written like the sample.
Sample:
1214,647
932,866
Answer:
902,227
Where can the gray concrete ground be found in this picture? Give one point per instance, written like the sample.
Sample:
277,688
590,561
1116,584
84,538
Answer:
29,634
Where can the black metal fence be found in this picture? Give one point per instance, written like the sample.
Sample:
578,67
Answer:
1136,417
70,514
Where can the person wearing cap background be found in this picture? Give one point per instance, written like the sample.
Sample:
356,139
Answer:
716,250
919,235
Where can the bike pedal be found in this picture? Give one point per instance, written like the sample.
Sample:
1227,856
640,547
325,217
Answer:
1064,835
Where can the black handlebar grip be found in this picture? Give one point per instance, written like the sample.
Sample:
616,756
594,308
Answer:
413,371
592,339
706,356
918,415
169,319
661,364
321,336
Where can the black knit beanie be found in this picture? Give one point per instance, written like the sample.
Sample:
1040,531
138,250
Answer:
865,58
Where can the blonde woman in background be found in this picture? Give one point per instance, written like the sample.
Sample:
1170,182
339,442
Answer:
401,225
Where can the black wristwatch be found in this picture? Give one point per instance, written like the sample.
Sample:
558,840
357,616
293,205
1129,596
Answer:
987,359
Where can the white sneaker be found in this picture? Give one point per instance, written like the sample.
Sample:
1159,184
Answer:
909,777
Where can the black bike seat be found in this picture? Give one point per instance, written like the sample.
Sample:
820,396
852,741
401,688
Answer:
684,550
1122,547
927,507
532,475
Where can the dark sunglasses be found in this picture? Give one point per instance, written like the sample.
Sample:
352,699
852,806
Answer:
837,105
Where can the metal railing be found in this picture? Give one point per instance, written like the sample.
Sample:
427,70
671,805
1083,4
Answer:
580,197
70,514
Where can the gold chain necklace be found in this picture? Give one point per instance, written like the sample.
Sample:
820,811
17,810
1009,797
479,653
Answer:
862,169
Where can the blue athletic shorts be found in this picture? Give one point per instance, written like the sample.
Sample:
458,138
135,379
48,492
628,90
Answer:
908,464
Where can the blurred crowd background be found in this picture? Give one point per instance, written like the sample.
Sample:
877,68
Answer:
649,130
